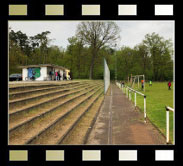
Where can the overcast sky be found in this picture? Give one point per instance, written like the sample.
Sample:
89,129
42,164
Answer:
132,32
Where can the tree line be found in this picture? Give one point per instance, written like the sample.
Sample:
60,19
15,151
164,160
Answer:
84,54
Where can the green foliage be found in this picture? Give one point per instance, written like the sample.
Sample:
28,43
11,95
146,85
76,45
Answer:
152,57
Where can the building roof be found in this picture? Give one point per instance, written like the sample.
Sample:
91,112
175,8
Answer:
44,65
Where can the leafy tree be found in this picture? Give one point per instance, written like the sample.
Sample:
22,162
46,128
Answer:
160,51
152,57
41,40
21,41
97,35
143,59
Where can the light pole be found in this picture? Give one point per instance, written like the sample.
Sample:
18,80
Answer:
129,78
115,66
115,62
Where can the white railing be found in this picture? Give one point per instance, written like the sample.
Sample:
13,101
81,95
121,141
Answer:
127,90
168,109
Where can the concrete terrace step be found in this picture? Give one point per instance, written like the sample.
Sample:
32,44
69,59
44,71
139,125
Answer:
18,87
59,128
81,130
80,114
25,100
22,88
18,120
25,132
22,94
41,103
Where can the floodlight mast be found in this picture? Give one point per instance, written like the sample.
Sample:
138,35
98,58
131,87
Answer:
115,66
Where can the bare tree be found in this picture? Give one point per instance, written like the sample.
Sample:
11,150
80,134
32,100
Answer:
97,35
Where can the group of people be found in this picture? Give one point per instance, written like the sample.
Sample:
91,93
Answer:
57,76
150,84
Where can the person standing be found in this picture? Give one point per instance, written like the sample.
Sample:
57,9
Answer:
169,85
33,75
64,76
122,84
56,75
150,83
52,75
142,82
70,74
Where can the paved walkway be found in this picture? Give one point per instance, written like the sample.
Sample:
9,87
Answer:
120,123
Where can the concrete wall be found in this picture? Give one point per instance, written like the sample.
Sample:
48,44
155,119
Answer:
43,72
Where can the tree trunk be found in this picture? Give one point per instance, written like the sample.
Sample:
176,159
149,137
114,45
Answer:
92,64
79,63
91,70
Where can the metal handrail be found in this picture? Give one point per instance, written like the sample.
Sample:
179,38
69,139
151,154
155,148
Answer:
129,96
168,123
135,91
169,108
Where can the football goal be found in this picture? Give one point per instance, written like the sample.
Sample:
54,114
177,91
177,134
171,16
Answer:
139,79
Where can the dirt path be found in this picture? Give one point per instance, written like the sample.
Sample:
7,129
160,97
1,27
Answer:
120,123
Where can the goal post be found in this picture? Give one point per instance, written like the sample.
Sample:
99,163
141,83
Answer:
137,77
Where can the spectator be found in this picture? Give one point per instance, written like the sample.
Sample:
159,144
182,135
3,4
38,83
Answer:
64,76
33,75
52,75
56,75
70,75
122,84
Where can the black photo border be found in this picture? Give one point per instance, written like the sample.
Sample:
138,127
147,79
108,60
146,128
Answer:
73,153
